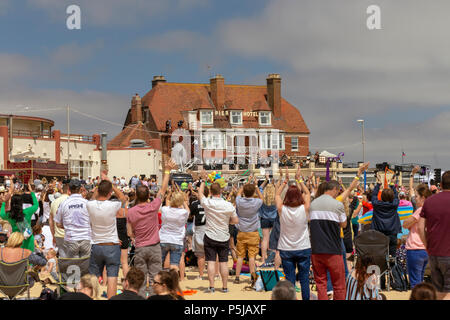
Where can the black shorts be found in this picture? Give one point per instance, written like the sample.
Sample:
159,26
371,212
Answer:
122,233
215,248
348,243
266,223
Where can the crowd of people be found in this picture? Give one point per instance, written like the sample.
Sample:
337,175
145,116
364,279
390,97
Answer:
302,224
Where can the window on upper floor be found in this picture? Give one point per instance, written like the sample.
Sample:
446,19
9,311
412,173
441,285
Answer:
206,117
294,144
236,117
264,118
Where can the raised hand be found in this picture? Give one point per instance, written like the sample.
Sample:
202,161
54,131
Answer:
415,170
363,168
298,173
104,175
170,164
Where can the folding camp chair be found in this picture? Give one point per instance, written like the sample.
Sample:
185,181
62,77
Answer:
375,244
14,279
70,271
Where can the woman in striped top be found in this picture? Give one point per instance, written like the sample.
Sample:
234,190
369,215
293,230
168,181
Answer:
359,287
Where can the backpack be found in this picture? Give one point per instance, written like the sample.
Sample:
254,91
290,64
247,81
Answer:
269,279
399,282
190,259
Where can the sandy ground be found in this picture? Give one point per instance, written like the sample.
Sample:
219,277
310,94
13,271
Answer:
236,291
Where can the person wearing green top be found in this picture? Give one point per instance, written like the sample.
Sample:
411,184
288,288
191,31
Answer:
20,218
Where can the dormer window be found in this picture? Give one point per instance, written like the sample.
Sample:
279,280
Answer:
236,117
206,117
264,118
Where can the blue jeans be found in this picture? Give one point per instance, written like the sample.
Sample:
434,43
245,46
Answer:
302,260
175,253
329,285
416,261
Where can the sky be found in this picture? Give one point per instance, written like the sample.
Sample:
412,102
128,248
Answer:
333,68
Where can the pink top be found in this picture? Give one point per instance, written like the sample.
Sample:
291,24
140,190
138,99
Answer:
413,242
143,219
405,203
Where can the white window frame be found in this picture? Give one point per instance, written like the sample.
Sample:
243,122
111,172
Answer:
234,113
269,118
203,113
292,144
213,141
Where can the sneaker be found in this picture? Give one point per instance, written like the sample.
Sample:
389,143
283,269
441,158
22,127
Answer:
236,280
210,290
224,290
104,295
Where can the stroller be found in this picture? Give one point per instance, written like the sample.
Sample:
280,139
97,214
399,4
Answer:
376,244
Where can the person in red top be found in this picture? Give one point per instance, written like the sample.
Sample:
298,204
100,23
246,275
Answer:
367,206
434,231
143,229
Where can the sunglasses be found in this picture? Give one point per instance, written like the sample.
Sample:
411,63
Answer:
156,282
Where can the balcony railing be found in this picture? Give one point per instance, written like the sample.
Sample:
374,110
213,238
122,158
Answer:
77,137
31,133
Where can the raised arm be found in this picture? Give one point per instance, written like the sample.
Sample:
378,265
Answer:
411,181
30,210
355,181
278,200
170,165
201,190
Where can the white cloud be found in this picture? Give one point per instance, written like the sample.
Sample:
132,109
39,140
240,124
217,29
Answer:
73,53
104,105
13,67
116,12
4,4
340,71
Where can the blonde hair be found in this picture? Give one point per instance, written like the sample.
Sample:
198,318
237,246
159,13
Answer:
52,252
269,195
15,240
177,199
90,281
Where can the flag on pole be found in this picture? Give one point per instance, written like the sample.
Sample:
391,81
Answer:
403,154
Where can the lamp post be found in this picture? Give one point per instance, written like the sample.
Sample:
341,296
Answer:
363,149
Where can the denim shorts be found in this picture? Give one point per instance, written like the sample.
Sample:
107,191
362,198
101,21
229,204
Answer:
175,250
102,256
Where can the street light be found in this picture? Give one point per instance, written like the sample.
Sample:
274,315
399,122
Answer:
364,149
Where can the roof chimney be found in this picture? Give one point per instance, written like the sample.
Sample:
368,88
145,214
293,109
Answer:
217,87
136,109
157,79
274,93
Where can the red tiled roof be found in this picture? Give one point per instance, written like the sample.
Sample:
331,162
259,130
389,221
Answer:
168,100
133,131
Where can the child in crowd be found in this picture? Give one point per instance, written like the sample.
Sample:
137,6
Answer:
423,291
38,239
51,264
401,253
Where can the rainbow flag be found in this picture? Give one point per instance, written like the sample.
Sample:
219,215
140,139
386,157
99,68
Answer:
403,212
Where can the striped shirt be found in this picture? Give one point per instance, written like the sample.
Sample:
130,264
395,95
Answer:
325,215
353,293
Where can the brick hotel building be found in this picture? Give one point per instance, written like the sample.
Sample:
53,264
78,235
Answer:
247,112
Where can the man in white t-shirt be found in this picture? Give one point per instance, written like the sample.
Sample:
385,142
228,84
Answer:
219,215
73,217
105,240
